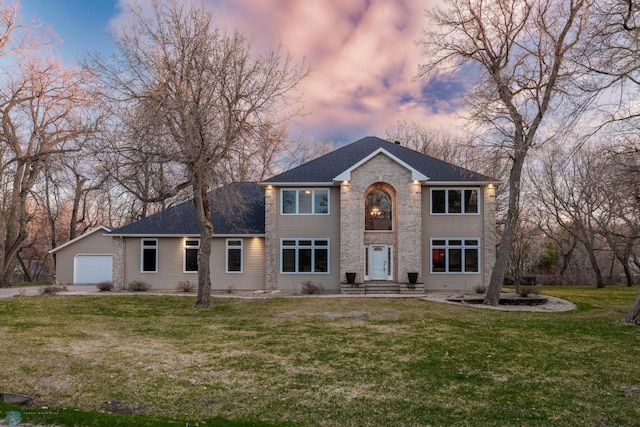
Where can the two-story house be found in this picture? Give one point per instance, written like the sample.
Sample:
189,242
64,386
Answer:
373,213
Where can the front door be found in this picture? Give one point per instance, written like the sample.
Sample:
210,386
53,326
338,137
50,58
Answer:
378,264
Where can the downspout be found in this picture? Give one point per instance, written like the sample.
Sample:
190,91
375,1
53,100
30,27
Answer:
123,261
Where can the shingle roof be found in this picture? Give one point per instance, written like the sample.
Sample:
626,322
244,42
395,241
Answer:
246,216
325,168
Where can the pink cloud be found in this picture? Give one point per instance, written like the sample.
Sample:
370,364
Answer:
363,56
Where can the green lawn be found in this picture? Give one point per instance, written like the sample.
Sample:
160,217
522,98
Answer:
321,361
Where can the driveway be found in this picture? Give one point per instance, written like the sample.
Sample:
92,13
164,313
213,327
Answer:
35,290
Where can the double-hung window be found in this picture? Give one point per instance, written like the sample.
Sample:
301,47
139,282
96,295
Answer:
304,256
191,249
304,201
149,256
455,255
455,200
234,256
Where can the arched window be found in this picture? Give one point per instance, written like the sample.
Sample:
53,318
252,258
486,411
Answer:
378,209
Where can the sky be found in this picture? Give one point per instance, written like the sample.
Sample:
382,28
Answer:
363,56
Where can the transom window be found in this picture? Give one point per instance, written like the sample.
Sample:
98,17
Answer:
378,211
304,255
149,255
307,201
191,249
455,255
454,200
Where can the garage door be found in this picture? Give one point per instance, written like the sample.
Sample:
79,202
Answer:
92,268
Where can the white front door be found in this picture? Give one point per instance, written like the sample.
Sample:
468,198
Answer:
378,265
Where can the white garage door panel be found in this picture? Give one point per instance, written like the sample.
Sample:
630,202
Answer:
92,268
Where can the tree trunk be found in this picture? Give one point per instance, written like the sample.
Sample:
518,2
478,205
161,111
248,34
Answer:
203,209
506,243
634,315
628,274
596,268
14,231
77,197
5,278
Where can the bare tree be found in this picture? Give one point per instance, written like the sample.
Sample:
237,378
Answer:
42,108
610,61
520,50
566,190
619,217
201,95
299,151
134,155
435,143
523,255
627,158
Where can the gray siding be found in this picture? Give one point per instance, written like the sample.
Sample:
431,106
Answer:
93,243
451,226
310,226
171,268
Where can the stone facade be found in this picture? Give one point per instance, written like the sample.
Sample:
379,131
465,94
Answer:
381,172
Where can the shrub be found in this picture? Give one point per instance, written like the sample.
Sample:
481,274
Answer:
49,290
105,286
525,291
480,289
185,286
138,286
310,288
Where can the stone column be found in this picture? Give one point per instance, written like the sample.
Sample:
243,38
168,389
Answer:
351,230
118,265
270,238
409,230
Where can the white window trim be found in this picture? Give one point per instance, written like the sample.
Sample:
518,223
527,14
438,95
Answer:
142,248
447,246
313,254
446,200
226,258
184,254
313,192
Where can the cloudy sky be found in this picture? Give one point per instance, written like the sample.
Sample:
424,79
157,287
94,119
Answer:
363,55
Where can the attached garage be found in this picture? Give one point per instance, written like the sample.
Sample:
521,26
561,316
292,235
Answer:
92,268
85,259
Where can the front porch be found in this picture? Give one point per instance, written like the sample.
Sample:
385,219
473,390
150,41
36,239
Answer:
382,287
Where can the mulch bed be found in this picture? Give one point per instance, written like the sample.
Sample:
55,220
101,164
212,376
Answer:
503,301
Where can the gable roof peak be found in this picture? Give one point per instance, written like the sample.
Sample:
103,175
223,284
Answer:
326,169
415,174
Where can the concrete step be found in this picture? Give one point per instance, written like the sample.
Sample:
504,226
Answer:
382,288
